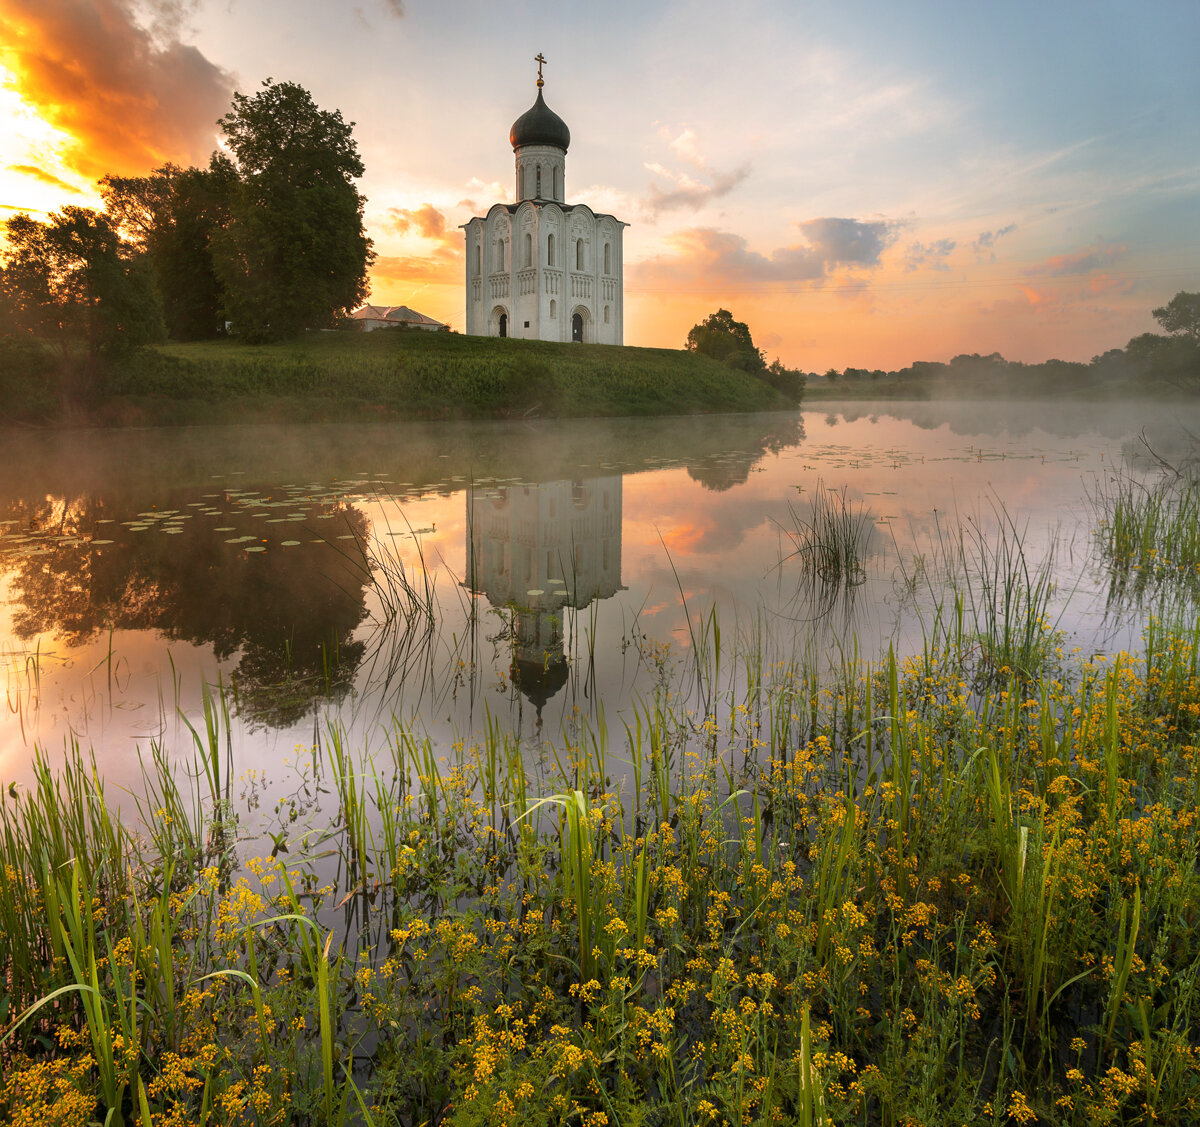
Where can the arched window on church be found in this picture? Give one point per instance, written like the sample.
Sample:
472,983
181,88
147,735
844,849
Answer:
528,249
538,193
606,314
607,259
478,260
500,265
578,254
521,181
557,186
553,310
549,250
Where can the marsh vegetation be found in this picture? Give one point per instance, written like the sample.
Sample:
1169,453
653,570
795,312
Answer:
789,877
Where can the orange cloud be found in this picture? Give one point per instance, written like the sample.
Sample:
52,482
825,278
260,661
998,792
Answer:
44,176
1081,261
130,97
709,257
426,220
442,267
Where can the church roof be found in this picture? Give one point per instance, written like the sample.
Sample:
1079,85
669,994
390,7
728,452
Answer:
540,125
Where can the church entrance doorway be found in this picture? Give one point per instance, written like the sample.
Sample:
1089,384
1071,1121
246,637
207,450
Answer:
504,324
576,328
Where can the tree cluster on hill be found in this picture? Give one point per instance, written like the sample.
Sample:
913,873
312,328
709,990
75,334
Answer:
1149,362
722,338
269,237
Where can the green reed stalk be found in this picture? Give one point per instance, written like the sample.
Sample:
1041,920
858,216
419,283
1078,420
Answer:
1127,934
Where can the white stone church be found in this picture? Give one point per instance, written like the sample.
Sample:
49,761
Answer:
541,267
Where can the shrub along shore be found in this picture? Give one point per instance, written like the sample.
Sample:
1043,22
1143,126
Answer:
393,374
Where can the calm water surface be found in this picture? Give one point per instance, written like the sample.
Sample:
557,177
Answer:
526,574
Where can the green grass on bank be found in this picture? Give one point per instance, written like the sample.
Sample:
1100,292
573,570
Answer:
419,375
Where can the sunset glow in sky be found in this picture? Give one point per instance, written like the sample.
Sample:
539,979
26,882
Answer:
865,183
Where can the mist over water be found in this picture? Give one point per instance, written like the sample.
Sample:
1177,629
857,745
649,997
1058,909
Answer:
534,575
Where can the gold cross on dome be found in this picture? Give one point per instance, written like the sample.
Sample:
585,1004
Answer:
540,59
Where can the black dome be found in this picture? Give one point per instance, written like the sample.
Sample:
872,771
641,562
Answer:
540,125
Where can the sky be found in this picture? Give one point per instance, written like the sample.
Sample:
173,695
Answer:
864,182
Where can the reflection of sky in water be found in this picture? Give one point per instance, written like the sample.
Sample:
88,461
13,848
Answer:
658,517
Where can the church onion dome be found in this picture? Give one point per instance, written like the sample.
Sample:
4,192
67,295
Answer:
540,125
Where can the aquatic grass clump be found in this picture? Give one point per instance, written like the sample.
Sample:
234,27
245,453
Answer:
830,546
1149,535
997,617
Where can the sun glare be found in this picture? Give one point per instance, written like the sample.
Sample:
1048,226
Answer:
33,177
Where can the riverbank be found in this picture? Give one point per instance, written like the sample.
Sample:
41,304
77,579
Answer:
327,377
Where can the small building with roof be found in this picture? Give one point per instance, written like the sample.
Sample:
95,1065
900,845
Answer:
542,268
373,317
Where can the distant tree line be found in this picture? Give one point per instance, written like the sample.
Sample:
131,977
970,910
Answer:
268,238
1151,361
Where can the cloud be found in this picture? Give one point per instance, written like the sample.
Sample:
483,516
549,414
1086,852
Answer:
688,190
443,264
442,267
850,241
933,254
394,8
721,258
1082,261
987,239
489,191
129,95
44,176
425,220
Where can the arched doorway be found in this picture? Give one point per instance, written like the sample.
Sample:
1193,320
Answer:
498,322
504,324
577,328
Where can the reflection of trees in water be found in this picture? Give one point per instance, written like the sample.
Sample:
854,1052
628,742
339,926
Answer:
291,612
729,467
1061,418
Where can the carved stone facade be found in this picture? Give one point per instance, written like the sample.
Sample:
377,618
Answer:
542,268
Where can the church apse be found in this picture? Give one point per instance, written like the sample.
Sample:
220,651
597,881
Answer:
539,549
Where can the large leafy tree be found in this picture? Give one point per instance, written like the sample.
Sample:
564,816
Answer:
293,254
173,216
74,283
727,340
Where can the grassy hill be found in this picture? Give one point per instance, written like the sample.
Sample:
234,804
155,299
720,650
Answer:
407,374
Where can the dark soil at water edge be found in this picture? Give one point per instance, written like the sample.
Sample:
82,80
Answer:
396,374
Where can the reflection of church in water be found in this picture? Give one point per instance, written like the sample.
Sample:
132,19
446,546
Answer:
540,549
